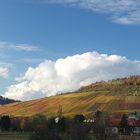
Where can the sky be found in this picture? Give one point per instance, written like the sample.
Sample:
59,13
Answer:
49,47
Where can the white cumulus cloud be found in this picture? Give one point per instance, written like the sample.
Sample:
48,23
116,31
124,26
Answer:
120,11
69,74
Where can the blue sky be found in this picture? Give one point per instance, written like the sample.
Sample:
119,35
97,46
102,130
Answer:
57,29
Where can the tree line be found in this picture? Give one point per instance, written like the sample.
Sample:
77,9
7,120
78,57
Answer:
61,128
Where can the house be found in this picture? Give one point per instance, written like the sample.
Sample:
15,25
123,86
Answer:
115,120
111,131
136,131
89,121
132,120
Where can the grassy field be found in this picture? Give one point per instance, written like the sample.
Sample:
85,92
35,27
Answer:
14,136
121,95
23,136
124,138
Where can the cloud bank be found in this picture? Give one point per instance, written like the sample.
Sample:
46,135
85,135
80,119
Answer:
17,47
69,74
120,11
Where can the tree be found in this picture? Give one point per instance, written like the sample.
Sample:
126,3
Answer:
5,123
62,125
99,125
41,129
124,126
39,123
77,128
22,124
52,124
15,123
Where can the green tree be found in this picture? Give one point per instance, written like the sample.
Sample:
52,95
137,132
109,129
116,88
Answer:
61,126
22,124
124,126
41,130
99,125
5,123
39,123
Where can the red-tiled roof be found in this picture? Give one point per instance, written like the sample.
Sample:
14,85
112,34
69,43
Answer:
116,121
132,122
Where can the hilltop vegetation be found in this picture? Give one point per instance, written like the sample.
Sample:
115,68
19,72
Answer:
120,95
124,86
6,100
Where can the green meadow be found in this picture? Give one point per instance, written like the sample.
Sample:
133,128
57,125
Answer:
14,136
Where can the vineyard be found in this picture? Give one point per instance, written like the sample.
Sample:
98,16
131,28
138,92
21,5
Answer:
116,96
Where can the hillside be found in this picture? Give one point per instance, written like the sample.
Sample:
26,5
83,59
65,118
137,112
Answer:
120,95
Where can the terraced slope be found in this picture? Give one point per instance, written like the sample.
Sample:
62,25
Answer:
121,95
